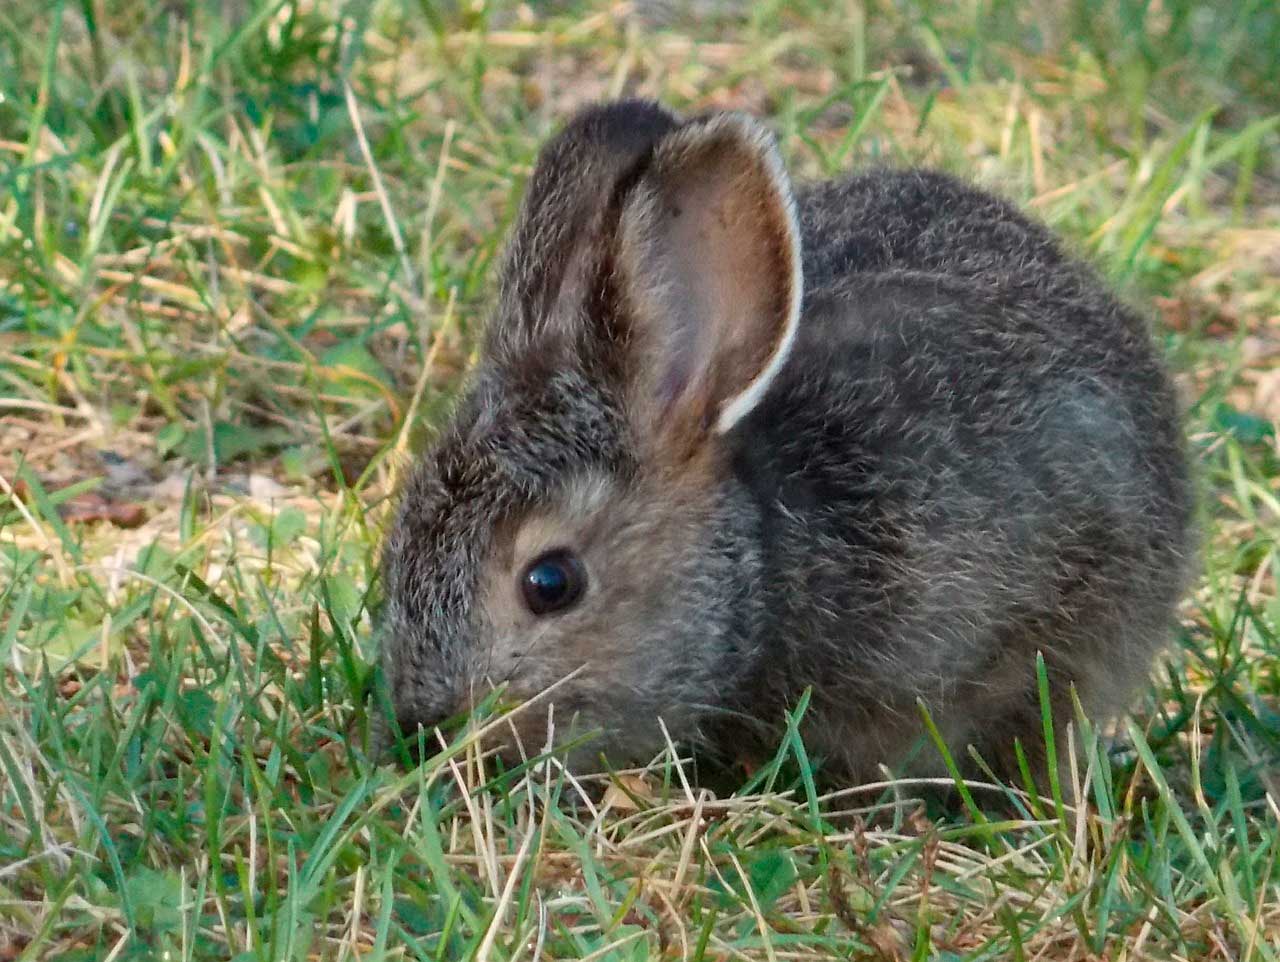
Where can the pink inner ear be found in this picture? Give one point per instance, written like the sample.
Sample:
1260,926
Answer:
726,260
710,268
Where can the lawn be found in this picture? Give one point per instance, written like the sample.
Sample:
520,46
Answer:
245,250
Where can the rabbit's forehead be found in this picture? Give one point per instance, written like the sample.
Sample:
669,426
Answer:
563,448
581,503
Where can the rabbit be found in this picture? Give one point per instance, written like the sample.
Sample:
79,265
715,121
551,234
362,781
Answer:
727,441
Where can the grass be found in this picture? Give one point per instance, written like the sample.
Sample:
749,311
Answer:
245,246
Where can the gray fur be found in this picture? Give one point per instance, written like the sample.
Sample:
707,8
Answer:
971,454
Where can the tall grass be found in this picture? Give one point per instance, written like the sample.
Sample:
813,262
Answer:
245,247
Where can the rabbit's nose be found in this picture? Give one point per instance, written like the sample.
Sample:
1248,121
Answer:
421,735
444,721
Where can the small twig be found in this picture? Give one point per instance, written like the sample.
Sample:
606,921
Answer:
428,363
504,902
54,550
397,239
60,849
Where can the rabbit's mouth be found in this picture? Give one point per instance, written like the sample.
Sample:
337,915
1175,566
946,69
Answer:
504,726
566,729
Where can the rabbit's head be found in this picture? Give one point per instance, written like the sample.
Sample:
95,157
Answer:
575,527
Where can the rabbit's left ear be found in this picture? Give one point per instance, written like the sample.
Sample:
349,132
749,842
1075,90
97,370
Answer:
709,271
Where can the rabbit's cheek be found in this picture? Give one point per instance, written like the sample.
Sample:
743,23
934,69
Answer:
537,727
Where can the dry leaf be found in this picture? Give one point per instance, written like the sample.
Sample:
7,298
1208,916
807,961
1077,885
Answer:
626,793
69,687
1267,395
90,507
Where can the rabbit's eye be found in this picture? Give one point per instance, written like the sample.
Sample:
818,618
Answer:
553,582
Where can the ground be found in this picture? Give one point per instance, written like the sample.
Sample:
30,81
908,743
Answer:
245,247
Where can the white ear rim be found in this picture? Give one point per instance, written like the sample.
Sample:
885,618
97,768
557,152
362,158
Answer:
739,406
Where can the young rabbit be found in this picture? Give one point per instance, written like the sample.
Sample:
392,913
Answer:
881,438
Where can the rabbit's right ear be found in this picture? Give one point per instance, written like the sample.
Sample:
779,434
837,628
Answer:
552,257
709,268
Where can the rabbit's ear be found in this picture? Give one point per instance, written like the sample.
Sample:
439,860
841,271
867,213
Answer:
709,270
552,257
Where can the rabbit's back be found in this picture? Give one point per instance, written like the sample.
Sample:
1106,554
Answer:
882,439
918,220
973,454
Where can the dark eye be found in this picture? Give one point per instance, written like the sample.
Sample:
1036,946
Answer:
553,582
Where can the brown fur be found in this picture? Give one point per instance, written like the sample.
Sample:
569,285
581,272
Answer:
966,452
